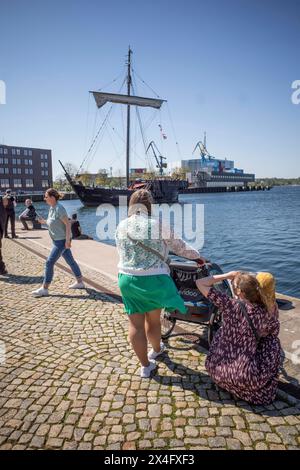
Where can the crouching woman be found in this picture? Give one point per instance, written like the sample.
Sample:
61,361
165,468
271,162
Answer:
244,357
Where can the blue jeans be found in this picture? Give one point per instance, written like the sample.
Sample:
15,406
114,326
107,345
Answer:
57,251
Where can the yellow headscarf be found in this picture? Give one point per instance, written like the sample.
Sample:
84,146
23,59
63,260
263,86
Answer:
267,284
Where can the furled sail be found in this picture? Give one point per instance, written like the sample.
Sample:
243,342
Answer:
102,98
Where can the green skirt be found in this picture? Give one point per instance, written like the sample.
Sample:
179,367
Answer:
142,294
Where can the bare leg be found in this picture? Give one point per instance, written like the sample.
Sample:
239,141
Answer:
137,337
153,328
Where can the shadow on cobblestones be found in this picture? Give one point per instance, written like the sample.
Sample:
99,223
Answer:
70,296
201,384
98,295
14,279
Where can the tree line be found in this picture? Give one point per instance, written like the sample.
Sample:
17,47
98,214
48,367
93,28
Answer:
278,181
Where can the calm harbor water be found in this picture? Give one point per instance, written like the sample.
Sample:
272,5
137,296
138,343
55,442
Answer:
253,231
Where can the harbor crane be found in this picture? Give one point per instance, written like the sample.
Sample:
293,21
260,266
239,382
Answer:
158,157
203,150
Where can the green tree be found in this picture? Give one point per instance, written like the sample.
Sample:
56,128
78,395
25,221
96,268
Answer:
61,184
71,169
101,179
180,173
85,178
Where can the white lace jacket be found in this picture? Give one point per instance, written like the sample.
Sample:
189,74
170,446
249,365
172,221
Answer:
135,260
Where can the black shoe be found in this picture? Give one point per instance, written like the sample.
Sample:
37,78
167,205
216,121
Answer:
3,272
15,236
6,236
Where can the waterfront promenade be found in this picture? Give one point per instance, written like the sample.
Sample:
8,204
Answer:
70,381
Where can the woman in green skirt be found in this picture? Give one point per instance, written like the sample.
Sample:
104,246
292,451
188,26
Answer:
144,276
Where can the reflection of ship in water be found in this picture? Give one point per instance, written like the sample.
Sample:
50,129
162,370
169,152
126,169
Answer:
163,189
211,174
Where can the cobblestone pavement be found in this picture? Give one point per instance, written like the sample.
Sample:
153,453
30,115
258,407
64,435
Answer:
70,380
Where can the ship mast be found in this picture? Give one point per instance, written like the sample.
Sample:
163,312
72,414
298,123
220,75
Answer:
128,116
129,100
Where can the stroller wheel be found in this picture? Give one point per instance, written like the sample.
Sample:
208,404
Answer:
167,324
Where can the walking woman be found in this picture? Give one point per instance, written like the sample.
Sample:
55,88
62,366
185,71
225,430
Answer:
144,276
60,231
244,357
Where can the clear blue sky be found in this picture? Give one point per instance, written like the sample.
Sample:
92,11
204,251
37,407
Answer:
225,66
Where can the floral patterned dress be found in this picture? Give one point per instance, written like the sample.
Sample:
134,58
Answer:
235,362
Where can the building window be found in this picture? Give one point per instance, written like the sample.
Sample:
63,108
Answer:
18,152
26,171
18,161
25,153
1,150
4,183
6,171
14,171
14,161
45,183
6,161
29,183
30,171
26,161
1,170
29,162
19,171
45,156
5,151
30,153
13,151
1,161
46,164
18,183
42,164
46,172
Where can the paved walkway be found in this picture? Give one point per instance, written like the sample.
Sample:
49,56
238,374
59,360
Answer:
99,261
70,380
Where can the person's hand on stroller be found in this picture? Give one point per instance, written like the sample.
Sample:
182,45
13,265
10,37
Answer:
201,261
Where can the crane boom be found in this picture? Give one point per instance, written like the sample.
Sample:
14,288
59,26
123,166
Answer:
158,157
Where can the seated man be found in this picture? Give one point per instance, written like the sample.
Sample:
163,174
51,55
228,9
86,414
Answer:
76,230
28,214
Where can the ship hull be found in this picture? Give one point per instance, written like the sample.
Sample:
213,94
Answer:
163,191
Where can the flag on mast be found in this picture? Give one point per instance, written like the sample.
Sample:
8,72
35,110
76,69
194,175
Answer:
161,131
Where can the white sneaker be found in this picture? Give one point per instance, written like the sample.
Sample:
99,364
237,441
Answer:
41,292
77,285
153,354
146,371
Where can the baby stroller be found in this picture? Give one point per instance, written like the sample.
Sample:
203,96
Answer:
200,310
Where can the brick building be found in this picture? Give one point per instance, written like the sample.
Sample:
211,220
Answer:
25,169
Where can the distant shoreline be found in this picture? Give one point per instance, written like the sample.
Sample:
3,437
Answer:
278,181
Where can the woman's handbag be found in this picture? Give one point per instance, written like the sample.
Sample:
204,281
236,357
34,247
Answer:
150,250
